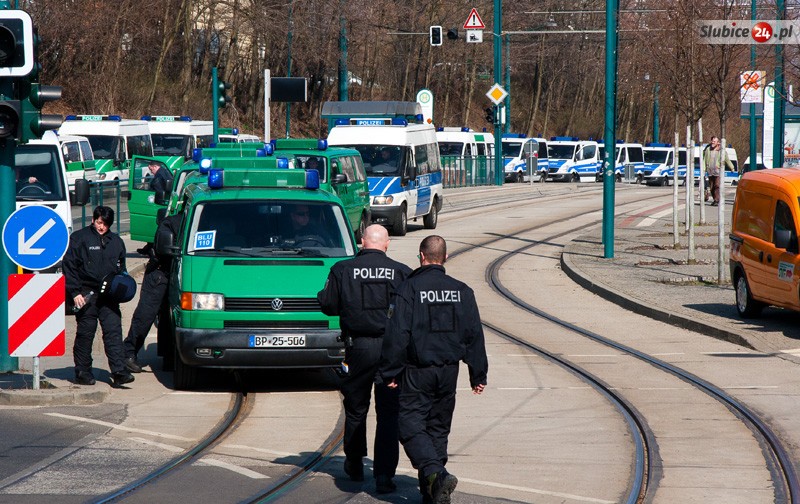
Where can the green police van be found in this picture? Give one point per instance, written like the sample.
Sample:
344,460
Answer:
255,246
341,171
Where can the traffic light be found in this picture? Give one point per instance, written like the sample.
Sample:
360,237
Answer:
436,35
33,123
16,43
491,116
222,98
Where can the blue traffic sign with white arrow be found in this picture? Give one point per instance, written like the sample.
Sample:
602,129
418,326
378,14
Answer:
35,237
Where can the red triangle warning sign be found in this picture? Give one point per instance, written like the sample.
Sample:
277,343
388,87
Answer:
474,21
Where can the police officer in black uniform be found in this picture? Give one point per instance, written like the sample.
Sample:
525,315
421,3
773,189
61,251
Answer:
94,253
151,297
358,290
434,323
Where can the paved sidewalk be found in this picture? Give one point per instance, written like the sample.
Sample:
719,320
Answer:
649,276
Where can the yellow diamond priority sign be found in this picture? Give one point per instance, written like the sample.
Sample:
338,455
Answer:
497,94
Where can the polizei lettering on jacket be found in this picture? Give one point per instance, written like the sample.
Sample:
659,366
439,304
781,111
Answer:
374,273
440,296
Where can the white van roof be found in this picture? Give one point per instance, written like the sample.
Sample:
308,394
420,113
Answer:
110,125
182,125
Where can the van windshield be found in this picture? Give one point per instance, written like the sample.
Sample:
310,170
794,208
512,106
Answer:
451,148
103,146
656,156
38,173
635,155
561,151
511,149
383,160
171,144
270,228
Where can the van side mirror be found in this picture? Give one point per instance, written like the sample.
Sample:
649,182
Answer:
339,178
81,192
161,198
165,242
160,214
783,239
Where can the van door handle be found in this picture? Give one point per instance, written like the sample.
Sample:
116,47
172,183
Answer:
769,258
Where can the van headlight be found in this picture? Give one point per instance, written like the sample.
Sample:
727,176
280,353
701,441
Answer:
383,200
202,301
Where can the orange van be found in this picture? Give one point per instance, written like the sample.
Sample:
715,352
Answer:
764,252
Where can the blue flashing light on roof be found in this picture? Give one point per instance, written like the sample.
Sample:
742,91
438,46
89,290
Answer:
235,131
465,129
114,118
564,139
341,122
205,165
71,117
197,155
419,117
657,144
185,118
399,121
322,144
261,153
439,128
216,178
269,149
620,141
312,179
283,162
146,118
212,144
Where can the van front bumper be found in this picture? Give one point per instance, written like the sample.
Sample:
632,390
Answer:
385,215
230,349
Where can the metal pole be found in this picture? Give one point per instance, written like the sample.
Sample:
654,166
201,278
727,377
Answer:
508,85
289,69
609,164
498,77
215,103
753,125
8,198
655,113
343,80
777,133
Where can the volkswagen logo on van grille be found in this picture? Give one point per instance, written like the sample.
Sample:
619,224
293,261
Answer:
277,304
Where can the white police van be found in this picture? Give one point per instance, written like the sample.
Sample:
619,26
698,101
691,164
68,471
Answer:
572,159
114,141
179,135
235,137
465,155
400,154
517,150
629,161
659,163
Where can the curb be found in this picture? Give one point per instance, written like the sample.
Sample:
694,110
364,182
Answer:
621,299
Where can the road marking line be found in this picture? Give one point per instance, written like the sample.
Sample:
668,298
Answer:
120,427
596,355
163,446
652,219
492,484
260,450
791,351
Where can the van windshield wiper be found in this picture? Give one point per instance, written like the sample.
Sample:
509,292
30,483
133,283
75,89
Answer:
234,250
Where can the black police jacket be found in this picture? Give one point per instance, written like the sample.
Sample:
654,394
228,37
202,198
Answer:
163,262
434,322
359,290
161,181
89,258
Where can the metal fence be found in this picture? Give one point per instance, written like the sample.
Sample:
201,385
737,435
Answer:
466,171
109,193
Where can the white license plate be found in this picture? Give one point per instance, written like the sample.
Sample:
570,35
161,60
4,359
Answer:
277,340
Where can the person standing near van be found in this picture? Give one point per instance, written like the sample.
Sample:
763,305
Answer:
162,178
434,324
94,253
359,290
716,159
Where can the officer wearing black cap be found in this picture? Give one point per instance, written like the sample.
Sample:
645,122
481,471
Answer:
96,254
359,290
151,297
434,324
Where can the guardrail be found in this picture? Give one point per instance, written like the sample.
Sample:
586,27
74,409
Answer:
102,192
467,171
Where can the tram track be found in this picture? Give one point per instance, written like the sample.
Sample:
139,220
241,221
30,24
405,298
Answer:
777,458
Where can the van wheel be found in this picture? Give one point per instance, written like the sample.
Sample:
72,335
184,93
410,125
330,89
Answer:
362,227
618,178
400,226
430,220
184,377
745,304
520,178
575,178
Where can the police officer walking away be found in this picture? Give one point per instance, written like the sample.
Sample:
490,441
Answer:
151,296
434,323
94,253
358,290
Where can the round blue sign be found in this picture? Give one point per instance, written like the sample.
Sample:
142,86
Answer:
35,237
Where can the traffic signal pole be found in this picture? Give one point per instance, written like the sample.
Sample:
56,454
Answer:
8,198
498,77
